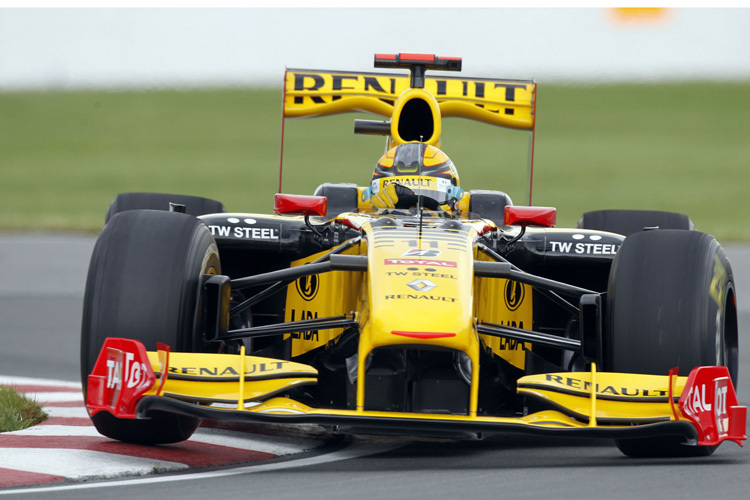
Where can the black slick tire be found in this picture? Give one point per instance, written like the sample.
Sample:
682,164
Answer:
627,222
670,303
144,283
194,205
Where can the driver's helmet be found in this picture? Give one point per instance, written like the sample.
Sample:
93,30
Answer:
423,169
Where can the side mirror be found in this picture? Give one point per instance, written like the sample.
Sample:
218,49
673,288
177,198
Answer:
530,216
298,204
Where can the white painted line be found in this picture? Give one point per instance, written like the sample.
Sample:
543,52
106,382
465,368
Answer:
358,449
11,380
55,397
57,430
66,412
81,465
76,464
274,445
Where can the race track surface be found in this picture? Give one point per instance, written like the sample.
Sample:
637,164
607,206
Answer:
41,292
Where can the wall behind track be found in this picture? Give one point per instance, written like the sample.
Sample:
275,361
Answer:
123,48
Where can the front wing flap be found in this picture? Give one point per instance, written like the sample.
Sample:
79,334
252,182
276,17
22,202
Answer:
125,372
702,408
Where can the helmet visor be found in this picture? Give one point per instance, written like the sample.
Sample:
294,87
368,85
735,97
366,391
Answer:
438,189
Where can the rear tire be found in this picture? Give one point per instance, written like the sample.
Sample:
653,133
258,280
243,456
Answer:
670,303
144,283
194,205
627,222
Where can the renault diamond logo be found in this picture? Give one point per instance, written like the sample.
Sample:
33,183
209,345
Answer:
422,285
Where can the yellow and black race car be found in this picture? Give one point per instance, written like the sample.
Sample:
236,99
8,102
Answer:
411,306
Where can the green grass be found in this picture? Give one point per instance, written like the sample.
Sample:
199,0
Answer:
17,411
677,147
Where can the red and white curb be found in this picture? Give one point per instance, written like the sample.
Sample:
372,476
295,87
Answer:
67,447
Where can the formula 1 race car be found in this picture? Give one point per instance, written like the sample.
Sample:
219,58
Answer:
411,306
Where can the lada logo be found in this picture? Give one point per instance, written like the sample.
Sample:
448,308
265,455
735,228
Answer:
514,294
307,287
422,285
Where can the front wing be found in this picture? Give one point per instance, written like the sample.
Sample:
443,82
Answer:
701,408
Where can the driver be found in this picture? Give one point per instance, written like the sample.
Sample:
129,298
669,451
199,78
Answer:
412,169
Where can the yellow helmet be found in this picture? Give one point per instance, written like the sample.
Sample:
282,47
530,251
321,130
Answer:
424,170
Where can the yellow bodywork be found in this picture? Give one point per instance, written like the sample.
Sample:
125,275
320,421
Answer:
215,378
505,103
435,117
614,399
508,303
423,291
419,290
322,295
620,397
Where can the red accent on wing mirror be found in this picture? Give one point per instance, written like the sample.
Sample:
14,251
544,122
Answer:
298,204
530,216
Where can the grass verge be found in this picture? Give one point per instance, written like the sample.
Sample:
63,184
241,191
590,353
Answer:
17,411
678,147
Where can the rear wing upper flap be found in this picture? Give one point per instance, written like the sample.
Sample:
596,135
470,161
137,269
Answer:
505,103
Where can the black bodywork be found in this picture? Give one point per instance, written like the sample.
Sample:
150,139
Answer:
569,267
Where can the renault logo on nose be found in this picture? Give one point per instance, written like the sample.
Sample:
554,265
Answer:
422,285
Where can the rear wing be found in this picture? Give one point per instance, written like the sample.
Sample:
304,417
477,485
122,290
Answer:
414,104
505,103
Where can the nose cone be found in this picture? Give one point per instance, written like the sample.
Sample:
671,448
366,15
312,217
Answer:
421,287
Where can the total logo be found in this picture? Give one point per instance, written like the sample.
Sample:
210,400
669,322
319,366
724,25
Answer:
699,402
133,375
421,285
420,262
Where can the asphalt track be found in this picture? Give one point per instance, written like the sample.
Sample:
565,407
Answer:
41,289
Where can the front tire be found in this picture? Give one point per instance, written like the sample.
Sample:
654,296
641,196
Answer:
144,283
670,303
